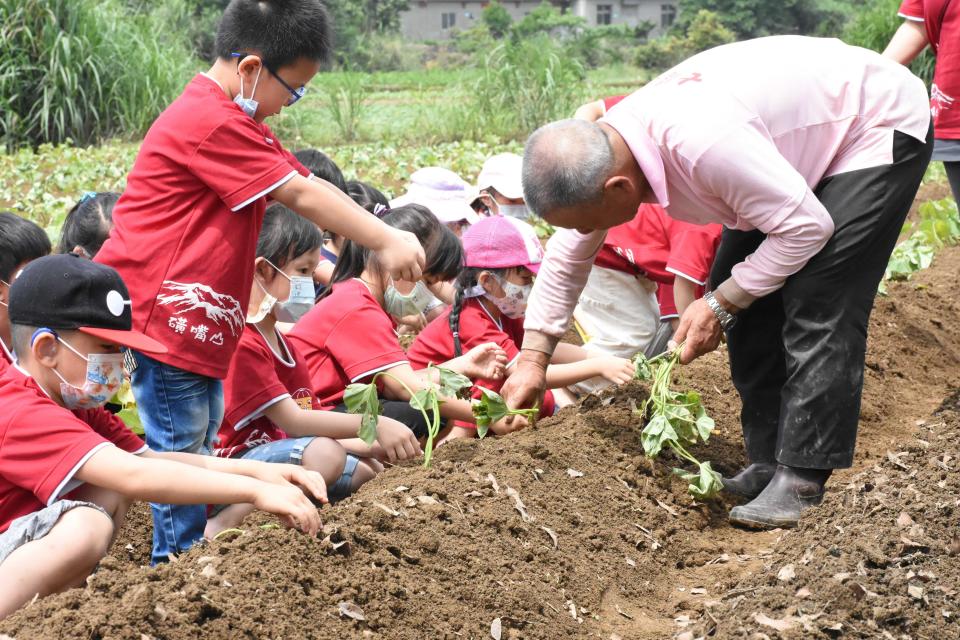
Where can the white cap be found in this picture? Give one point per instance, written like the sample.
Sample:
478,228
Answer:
502,172
440,190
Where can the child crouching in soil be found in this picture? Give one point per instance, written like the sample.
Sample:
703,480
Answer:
69,468
350,335
271,414
503,255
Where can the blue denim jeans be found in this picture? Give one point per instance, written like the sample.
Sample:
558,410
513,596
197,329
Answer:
290,451
180,411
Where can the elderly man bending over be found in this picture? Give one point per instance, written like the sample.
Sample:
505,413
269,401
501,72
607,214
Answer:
810,152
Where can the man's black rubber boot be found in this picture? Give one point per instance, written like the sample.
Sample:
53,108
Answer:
751,481
780,504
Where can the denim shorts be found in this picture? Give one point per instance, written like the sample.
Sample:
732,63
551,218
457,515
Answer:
290,451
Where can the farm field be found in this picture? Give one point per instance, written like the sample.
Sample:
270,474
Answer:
568,531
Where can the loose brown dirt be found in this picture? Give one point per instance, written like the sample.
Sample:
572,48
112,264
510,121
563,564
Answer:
567,531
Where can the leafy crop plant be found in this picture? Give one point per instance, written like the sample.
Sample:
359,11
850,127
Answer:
676,420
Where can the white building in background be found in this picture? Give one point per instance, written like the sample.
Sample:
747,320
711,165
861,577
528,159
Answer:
437,19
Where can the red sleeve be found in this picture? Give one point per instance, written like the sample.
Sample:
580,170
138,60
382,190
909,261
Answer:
609,103
363,343
668,307
113,429
43,446
692,249
911,10
292,159
239,164
252,383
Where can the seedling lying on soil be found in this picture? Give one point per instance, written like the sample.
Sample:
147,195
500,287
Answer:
362,398
490,408
675,420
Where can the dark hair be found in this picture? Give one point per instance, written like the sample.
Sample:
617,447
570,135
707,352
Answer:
366,196
468,278
322,166
286,236
20,241
442,248
280,31
88,224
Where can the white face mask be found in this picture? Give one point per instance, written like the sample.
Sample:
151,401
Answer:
518,211
268,302
249,105
8,291
399,304
103,379
514,302
302,296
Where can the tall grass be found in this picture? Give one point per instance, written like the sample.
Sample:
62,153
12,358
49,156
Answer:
86,70
874,25
347,101
525,84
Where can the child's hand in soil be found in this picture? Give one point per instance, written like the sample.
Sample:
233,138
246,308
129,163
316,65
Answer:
485,361
396,440
310,482
290,504
616,370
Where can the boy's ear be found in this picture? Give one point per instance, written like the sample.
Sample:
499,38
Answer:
45,348
249,67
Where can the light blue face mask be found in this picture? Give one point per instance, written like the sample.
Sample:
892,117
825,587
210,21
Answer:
300,301
249,105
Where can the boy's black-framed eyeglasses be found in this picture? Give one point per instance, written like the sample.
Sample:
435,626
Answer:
295,94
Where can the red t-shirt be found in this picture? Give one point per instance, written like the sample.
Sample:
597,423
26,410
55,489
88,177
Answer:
259,378
6,358
435,344
347,337
186,227
942,21
660,248
42,445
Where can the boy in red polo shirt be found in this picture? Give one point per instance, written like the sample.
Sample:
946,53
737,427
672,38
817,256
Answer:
20,242
69,468
186,226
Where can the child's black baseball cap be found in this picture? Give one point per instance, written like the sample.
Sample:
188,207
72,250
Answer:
69,292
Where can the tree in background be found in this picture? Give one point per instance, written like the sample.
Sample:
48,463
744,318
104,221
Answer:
755,18
497,19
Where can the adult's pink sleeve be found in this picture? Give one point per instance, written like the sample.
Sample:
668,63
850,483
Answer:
563,274
747,172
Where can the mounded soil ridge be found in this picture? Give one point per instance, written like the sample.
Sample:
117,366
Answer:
568,531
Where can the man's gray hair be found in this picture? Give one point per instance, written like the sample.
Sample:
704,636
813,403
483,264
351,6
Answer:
565,164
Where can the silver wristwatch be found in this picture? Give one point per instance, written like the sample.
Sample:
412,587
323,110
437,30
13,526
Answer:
726,319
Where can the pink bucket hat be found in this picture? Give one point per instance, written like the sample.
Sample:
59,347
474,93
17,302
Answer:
499,242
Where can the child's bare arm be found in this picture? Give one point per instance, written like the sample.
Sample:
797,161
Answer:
397,441
566,353
614,369
167,481
327,207
310,482
684,293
